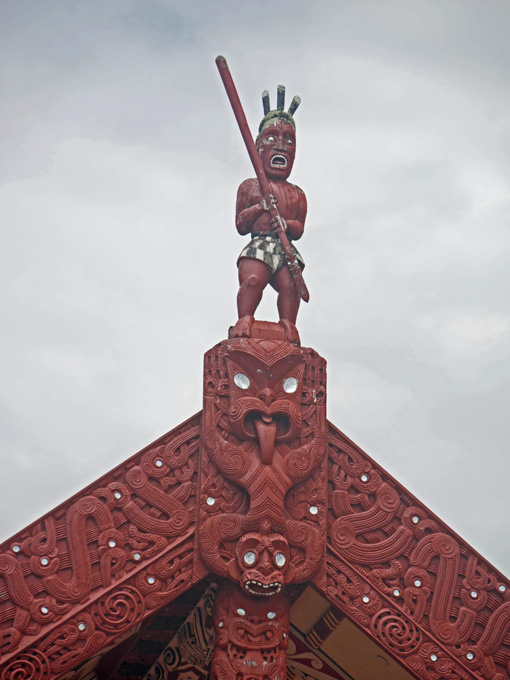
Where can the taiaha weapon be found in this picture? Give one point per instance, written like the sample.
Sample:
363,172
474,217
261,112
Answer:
290,258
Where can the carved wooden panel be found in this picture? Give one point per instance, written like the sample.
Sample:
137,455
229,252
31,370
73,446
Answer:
93,568
263,467
406,579
252,635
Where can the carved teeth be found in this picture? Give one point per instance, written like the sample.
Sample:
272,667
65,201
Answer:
262,586
278,161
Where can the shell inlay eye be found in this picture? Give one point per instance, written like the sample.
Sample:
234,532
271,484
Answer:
290,385
280,559
250,557
242,381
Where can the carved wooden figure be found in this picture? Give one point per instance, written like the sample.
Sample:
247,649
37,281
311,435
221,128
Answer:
262,261
260,493
263,495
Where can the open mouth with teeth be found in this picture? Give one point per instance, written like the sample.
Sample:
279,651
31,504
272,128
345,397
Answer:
278,161
258,588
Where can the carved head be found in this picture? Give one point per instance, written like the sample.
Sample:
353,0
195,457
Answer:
264,563
265,398
276,145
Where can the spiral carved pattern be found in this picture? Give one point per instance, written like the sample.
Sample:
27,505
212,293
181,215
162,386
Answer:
397,632
119,611
32,665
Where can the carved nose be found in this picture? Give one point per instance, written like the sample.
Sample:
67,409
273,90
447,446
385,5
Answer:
266,396
264,566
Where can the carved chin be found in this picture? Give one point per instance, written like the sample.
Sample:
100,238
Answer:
256,584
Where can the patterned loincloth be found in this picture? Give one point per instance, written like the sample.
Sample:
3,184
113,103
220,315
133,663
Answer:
269,250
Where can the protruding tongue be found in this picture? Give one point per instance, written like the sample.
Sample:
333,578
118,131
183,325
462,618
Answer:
266,432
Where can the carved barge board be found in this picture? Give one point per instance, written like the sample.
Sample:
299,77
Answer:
91,570
86,575
406,579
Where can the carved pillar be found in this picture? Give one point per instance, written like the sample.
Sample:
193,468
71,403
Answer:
262,516
251,635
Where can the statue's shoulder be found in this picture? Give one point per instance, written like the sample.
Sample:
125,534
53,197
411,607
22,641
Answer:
249,186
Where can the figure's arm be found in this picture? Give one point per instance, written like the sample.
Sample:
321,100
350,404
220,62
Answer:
250,206
295,227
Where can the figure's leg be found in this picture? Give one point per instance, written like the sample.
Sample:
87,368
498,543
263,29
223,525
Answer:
253,278
288,302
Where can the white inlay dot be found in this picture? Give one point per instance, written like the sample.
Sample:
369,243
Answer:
314,509
241,611
210,500
417,582
151,580
366,599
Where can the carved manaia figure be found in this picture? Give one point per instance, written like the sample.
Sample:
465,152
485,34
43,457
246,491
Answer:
262,261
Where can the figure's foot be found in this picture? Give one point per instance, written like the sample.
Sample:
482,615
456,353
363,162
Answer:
291,332
242,329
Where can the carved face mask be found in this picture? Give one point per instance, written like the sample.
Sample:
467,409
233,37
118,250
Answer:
264,562
276,145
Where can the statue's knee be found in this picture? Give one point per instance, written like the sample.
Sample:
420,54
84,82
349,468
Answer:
253,280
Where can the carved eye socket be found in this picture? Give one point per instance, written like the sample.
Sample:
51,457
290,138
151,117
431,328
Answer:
242,381
271,138
290,385
250,557
289,141
280,559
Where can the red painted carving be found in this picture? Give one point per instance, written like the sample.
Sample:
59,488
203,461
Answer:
278,486
97,565
272,210
407,580
251,636
263,488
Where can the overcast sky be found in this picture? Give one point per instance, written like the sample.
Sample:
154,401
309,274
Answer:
119,164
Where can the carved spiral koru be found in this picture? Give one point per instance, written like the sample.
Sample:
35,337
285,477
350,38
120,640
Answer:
32,665
118,611
397,632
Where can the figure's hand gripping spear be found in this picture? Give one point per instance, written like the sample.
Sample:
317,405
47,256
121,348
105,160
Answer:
290,258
